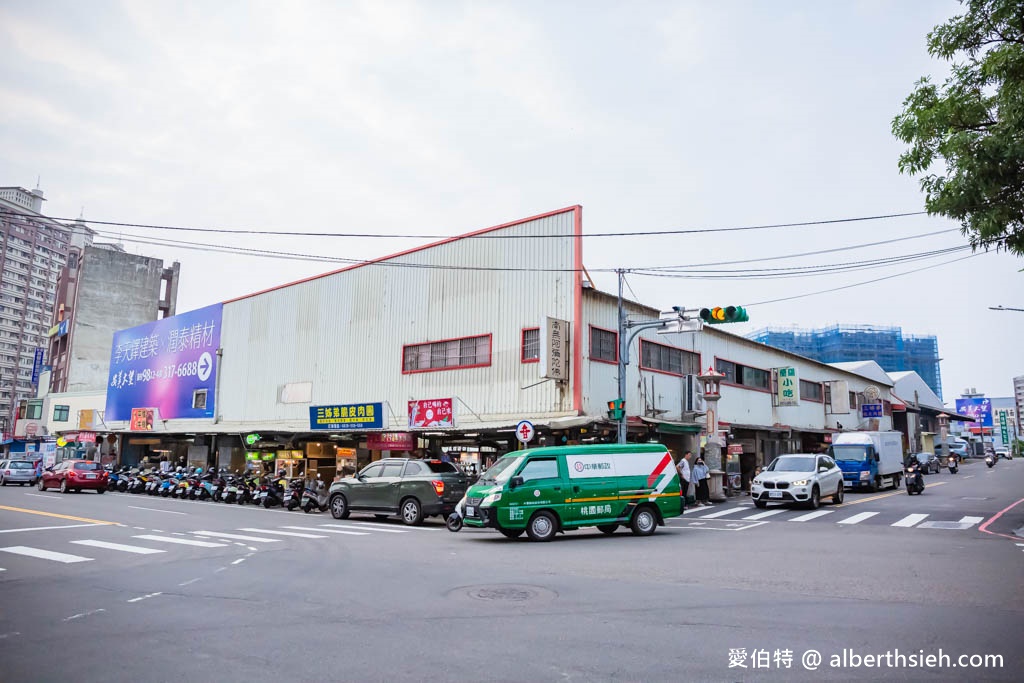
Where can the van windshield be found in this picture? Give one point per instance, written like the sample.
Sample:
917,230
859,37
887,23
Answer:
850,453
500,471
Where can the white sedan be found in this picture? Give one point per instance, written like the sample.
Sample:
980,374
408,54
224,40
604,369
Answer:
798,478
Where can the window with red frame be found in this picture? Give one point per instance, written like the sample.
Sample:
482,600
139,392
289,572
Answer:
531,345
447,355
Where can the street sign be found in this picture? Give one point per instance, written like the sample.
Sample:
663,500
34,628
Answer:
871,410
525,431
676,326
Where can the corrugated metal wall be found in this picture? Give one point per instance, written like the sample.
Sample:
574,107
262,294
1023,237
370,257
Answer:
344,332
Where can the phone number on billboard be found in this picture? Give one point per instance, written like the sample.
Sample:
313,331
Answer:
182,370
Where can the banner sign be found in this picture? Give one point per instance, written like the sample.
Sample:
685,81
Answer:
787,386
979,409
86,437
37,365
391,441
434,412
142,420
554,352
163,363
1004,431
347,417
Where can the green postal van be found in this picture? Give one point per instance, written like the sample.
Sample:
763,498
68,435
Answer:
546,490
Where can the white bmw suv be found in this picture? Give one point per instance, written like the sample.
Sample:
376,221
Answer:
798,478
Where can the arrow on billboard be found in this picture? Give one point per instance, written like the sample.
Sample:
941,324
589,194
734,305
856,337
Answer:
205,366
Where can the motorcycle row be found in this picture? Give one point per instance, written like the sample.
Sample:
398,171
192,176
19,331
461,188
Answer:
223,486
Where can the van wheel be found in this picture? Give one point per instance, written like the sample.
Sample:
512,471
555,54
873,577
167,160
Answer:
644,521
608,528
511,533
543,526
339,507
838,498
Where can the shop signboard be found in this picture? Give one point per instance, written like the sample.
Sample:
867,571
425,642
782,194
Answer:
141,420
252,455
554,352
391,441
87,419
344,417
86,437
787,386
434,412
871,410
163,364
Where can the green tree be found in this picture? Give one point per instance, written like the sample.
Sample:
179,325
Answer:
967,136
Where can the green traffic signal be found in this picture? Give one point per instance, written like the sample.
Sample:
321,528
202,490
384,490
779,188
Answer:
719,315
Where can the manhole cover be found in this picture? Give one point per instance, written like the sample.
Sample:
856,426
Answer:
504,592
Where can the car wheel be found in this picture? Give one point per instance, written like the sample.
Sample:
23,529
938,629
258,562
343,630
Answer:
760,504
837,499
412,512
40,485
64,486
815,500
511,533
101,490
608,528
644,521
339,507
542,527
3,482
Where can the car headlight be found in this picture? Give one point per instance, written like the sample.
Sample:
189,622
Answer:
757,482
865,475
490,500
800,482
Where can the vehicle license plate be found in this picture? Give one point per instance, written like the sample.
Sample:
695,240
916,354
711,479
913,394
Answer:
470,510
90,476
775,494
263,494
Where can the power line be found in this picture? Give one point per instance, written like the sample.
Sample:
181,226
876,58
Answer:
290,233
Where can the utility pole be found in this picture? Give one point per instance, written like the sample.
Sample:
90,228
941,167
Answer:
624,343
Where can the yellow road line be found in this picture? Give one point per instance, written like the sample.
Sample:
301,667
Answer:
884,495
54,514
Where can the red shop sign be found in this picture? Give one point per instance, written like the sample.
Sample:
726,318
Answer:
434,412
391,441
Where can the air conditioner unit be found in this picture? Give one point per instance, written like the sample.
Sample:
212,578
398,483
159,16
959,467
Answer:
693,394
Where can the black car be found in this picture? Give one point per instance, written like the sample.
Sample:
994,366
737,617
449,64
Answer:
929,463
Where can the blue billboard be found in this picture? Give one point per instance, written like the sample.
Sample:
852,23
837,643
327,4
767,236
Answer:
163,363
978,409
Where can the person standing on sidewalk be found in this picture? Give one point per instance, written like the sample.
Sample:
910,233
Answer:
701,474
684,474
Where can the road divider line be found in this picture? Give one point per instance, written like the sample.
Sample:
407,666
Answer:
857,518
240,537
58,516
871,498
170,512
182,541
188,583
328,531
144,597
283,533
910,520
47,528
40,495
84,614
138,550
378,525
63,558
367,527
239,561
812,515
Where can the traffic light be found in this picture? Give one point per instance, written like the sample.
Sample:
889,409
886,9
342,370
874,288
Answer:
719,315
616,409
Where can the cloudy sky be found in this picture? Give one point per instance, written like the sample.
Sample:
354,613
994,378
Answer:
442,117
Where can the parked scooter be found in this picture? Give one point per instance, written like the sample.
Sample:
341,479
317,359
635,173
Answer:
272,491
293,495
315,498
455,520
954,466
915,481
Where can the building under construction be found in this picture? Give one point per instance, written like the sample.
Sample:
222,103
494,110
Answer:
887,346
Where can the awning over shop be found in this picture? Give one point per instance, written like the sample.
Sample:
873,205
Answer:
757,428
672,427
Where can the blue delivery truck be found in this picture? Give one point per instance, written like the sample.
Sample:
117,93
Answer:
869,459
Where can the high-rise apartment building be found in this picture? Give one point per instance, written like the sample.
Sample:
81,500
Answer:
33,251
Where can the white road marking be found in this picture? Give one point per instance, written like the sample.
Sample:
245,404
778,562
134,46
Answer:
251,539
8,635
144,597
857,518
369,527
970,520
84,614
189,582
40,495
181,541
378,525
45,554
170,512
283,533
239,561
722,513
138,550
46,528
769,513
328,531
910,520
812,515
249,547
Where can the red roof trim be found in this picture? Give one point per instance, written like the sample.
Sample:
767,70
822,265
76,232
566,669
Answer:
575,208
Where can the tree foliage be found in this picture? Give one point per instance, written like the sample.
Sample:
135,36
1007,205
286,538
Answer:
972,127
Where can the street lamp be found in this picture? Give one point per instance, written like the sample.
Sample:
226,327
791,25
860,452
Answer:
712,382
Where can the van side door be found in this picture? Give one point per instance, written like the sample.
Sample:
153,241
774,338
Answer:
542,487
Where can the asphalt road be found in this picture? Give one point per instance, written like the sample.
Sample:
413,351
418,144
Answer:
126,588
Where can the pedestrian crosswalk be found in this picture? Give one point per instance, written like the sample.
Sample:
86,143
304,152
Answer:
742,513
160,543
